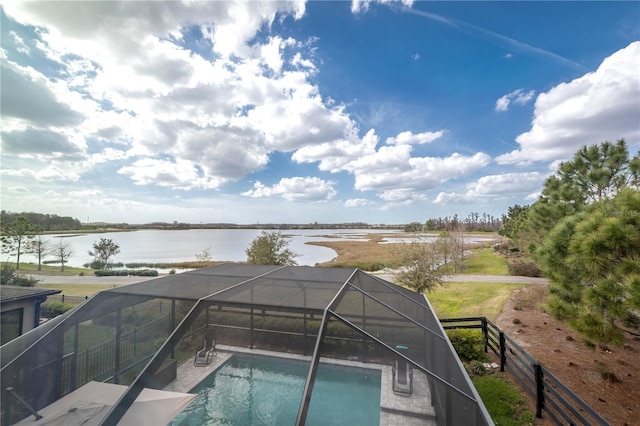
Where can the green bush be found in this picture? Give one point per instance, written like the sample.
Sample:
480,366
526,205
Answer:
477,368
469,344
127,272
9,276
53,309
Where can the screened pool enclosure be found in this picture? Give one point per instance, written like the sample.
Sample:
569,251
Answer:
138,336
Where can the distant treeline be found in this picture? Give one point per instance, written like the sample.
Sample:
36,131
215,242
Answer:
52,222
276,226
48,222
473,222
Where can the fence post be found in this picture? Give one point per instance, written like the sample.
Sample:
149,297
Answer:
537,368
503,356
485,333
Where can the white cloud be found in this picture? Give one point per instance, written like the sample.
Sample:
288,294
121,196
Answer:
295,189
50,173
363,5
337,155
181,174
21,46
218,118
86,193
357,202
502,104
601,105
494,187
21,86
518,96
409,138
393,168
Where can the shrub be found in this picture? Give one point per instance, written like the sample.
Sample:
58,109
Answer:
469,344
524,269
53,309
127,272
477,368
9,276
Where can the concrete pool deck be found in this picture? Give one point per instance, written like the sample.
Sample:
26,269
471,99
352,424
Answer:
414,410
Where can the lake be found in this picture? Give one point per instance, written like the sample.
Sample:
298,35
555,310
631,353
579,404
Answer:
162,246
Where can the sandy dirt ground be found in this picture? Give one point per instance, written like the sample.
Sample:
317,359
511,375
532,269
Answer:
606,378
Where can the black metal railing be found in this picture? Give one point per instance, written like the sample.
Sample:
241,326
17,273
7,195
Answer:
549,394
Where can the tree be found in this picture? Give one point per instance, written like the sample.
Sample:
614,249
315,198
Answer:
513,225
593,262
270,248
204,256
596,173
413,227
17,235
41,248
422,266
62,252
103,250
451,246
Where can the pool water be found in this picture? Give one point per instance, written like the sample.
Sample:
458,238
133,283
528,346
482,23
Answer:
250,390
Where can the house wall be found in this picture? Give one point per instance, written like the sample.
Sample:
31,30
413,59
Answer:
28,313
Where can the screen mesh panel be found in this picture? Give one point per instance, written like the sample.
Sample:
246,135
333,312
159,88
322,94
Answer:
124,334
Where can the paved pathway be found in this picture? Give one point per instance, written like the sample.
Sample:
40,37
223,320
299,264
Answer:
91,279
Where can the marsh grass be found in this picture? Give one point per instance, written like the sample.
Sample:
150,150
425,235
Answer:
367,254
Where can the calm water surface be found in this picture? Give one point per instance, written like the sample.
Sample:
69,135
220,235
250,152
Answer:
257,391
156,246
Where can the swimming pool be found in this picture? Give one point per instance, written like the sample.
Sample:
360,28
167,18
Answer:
250,390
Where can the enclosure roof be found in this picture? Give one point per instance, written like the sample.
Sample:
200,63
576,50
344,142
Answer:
10,293
291,287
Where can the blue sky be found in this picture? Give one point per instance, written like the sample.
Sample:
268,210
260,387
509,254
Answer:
255,112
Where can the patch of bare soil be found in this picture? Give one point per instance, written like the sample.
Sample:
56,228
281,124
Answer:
607,379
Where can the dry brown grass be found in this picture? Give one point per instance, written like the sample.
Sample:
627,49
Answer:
364,254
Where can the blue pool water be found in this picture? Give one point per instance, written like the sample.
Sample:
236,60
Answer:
267,391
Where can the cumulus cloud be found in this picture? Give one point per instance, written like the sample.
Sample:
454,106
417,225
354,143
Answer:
357,202
393,168
494,187
28,95
601,105
178,174
518,96
218,114
295,189
409,138
33,141
50,173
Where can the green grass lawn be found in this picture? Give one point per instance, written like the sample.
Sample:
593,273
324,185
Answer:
485,262
503,401
471,299
78,289
32,268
